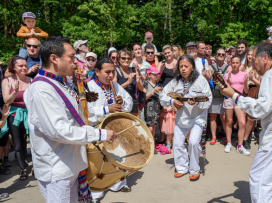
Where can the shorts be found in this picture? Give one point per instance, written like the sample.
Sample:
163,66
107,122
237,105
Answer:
4,140
229,104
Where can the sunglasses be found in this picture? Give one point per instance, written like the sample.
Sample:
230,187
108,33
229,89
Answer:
113,57
152,52
176,45
208,47
125,58
92,60
30,45
219,54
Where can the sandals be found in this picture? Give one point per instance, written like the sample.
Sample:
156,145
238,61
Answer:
225,142
213,141
23,175
125,188
178,175
194,177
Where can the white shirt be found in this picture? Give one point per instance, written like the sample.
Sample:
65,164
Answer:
57,141
97,108
188,114
199,65
260,108
243,60
143,68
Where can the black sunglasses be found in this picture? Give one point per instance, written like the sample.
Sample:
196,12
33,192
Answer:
92,60
125,58
152,52
34,46
219,54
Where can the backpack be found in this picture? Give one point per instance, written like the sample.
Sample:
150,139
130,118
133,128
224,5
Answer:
216,92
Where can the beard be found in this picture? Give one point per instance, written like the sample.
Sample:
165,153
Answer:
242,55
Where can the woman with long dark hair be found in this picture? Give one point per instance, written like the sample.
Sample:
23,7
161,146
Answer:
13,89
191,116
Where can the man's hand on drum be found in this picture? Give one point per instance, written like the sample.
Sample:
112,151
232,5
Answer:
111,135
178,104
119,100
115,108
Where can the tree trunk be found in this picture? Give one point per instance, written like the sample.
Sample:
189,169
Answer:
45,12
170,30
6,21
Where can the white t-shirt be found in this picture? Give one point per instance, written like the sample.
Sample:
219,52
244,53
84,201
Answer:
199,65
243,60
155,49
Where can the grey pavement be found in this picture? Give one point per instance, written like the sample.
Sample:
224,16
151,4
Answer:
225,181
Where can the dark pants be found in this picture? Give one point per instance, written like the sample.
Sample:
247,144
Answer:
19,136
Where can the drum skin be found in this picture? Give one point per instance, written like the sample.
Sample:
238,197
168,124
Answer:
137,143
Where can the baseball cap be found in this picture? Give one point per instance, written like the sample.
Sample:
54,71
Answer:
28,15
91,54
190,44
153,70
148,34
111,49
78,43
269,29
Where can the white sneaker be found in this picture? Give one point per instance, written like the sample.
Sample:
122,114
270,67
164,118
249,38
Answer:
243,151
228,148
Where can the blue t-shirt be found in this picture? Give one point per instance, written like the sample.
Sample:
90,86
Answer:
90,73
32,61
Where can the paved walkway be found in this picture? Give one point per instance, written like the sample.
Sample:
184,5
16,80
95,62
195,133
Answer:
225,181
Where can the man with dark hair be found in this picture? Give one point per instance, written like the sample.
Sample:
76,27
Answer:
261,170
201,51
57,133
150,55
241,49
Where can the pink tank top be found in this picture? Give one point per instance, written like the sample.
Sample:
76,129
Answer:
19,99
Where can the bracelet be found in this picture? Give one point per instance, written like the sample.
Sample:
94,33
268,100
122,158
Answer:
236,100
151,92
104,110
100,134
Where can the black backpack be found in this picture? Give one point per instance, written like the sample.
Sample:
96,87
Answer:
216,92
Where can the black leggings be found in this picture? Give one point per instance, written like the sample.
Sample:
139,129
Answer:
18,134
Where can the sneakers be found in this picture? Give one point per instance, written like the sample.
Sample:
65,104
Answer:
95,201
246,144
252,137
6,163
228,148
243,151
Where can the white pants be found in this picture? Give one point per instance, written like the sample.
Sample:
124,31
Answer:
62,191
116,187
182,163
260,177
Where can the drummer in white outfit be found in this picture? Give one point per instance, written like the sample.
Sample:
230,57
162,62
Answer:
106,104
57,140
190,115
260,174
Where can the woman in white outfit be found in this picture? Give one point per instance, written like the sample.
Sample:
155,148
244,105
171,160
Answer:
190,115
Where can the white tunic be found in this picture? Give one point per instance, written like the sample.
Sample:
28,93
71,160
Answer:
96,109
57,141
260,108
188,114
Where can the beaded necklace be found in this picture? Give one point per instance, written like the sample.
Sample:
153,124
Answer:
185,86
109,94
62,81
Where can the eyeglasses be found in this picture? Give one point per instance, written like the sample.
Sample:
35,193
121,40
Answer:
152,52
34,46
219,54
92,60
125,58
113,57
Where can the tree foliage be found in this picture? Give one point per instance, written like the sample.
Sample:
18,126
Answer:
119,23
